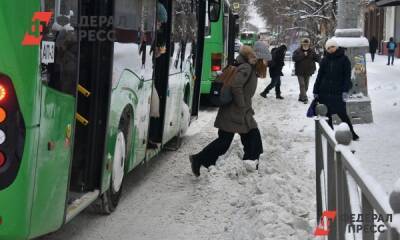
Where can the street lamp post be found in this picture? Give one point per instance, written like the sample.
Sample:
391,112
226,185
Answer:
349,36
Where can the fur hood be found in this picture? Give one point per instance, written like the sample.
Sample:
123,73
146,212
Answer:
248,54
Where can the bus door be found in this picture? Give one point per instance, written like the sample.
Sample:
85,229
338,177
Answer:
232,36
201,18
59,73
133,56
177,49
226,29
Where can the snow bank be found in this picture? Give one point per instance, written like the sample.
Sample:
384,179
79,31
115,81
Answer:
349,42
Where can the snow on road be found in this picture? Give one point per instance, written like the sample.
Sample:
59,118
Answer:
164,201
379,146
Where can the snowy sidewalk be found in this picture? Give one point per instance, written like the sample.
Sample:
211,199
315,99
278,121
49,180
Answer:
379,145
166,202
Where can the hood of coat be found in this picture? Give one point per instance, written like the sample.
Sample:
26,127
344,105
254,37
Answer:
247,54
339,53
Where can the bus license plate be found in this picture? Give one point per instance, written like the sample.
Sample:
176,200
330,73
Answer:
47,53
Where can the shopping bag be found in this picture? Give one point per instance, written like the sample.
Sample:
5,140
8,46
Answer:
311,110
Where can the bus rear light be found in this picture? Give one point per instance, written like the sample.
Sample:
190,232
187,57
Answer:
12,132
3,115
2,159
3,93
216,68
216,62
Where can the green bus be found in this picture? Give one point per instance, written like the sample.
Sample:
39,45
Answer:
219,42
248,38
89,89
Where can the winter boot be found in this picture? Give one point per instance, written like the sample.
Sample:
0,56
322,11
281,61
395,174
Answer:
263,94
279,97
355,137
195,164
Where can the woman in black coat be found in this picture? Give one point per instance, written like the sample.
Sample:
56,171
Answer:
373,46
275,71
334,82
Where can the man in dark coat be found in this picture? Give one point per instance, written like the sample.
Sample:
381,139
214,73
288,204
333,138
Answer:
305,59
334,82
275,71
236,117
373,46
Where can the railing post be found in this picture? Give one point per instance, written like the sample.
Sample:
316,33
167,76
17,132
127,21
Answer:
368,220
318,166
394,200
320,110
331,171
343,137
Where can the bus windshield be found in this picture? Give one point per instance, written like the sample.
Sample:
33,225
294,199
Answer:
247,36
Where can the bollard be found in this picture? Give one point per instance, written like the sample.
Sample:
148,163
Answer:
321,110
343,135
394,198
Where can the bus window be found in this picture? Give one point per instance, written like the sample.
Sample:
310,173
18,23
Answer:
62,73
207,28
127,37
214,9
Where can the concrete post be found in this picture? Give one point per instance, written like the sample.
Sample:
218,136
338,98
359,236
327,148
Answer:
349,36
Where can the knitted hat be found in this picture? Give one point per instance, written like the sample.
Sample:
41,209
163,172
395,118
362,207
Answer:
331,43
305,40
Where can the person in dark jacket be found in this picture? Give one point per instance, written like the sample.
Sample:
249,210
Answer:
391,46
143,51
334,82
275,71
305,59
236,117
373,46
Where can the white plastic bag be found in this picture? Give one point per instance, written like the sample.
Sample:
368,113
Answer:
155,104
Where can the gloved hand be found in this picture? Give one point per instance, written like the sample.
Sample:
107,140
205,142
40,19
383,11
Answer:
345,96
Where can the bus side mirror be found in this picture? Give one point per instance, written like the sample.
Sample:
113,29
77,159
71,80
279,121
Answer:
214,9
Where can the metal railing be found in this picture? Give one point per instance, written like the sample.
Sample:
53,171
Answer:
343,186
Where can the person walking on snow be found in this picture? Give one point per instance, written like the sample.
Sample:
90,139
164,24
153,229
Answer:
305,59
373,46
235,117
391,46
275,71
263,57
334,82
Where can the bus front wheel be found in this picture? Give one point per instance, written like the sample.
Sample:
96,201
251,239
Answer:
108,202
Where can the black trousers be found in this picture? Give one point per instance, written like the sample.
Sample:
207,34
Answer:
390,56
344,118
275,83
252,146
373,56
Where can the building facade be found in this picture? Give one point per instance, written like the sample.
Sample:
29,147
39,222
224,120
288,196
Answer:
382,20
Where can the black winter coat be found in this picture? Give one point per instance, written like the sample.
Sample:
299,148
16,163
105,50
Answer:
334,79
373,45
305,65
278,62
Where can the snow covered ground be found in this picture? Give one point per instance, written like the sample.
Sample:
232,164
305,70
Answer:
379,147
164,200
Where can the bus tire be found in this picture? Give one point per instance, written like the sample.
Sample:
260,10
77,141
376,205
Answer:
109,200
